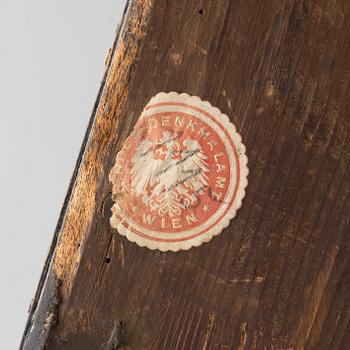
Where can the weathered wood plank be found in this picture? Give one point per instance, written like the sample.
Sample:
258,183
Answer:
278,276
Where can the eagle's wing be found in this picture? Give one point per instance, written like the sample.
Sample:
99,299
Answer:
144,171
193,167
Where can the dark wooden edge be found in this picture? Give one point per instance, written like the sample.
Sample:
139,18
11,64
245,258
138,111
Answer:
47,290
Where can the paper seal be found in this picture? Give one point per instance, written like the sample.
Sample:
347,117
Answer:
180,176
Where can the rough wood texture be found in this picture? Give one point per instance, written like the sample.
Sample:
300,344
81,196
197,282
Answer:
279,276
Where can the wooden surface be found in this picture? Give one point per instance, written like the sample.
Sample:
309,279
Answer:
279,276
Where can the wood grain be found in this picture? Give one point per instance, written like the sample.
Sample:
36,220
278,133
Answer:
279,276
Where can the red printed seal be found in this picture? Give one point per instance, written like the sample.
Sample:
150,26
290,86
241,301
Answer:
181,175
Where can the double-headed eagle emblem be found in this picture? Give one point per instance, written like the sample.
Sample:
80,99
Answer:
169,176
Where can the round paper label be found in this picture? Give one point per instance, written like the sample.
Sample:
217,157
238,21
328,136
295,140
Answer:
180,176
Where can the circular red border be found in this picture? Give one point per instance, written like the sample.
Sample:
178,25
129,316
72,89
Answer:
211,128
238,169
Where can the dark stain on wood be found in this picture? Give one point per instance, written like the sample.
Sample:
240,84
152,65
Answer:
46,316
279,276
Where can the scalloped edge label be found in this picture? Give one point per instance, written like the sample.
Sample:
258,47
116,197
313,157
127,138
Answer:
181,175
